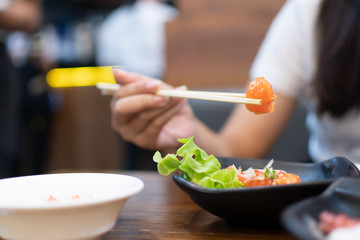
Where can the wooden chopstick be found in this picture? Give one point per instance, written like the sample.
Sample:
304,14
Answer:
208,96
107,88
228,94
110,89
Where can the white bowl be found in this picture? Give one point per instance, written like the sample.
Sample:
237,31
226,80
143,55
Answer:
63,206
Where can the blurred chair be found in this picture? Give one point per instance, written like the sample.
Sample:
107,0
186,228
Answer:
212,43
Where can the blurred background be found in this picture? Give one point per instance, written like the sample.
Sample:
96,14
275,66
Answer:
204,44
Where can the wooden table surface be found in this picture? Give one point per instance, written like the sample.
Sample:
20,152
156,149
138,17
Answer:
163,211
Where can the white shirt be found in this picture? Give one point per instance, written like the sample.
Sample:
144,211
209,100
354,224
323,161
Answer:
133,37
287,59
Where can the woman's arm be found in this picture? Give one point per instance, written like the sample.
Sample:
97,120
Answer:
155,122
147,120
246,134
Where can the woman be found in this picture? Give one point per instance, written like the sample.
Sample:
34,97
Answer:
311,53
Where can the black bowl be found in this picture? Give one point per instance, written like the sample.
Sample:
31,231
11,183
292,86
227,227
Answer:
301,219
264,204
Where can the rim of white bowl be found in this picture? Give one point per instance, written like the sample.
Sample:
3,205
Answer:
136,188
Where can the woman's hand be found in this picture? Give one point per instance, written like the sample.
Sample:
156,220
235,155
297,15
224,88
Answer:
145,119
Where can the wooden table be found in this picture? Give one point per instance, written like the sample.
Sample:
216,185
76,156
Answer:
163,211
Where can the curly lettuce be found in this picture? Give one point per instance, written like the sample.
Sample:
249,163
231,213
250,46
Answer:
197,166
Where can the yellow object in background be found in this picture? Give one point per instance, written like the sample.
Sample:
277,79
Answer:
79,76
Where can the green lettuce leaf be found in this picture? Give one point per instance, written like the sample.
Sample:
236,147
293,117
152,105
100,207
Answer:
166,165
221,179
197,166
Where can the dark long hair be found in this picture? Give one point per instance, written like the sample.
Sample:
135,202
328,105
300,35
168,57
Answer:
337,80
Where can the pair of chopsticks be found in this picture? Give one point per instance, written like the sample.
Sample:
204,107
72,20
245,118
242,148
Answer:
110,89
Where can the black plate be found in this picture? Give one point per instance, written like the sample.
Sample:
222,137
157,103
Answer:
301,219
266,203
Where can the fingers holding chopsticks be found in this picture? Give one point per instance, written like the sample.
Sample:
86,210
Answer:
134,104
138,97
124,77
145,125
138,114
138,92
132,83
